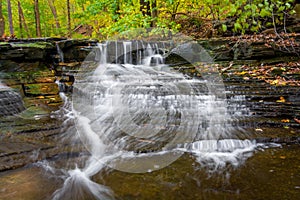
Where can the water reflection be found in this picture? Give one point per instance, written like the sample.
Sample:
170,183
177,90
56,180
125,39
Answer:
270,174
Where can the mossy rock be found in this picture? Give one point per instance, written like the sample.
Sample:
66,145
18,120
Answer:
34,111
41,89
39,45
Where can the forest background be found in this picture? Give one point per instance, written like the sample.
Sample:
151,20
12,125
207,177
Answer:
104,18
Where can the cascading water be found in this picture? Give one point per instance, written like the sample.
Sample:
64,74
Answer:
140,118
103,53
10,101
152,56
127,49
60,53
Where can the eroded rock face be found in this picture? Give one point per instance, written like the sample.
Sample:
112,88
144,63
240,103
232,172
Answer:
35,66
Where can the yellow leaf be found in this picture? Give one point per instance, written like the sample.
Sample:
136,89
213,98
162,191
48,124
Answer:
281,100
285,120
275,82
282,83
40,97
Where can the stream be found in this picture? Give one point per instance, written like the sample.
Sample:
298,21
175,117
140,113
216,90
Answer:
136,128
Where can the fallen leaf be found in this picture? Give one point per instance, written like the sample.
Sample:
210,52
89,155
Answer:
297,120
285,120
281,100
275,82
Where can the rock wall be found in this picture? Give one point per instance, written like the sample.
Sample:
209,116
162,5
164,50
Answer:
33,66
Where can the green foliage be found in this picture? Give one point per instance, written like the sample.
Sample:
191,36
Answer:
249,15
110,17
224,27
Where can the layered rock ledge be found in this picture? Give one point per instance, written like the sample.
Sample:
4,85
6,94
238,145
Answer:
252,71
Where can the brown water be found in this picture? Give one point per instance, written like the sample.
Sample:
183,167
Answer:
270,174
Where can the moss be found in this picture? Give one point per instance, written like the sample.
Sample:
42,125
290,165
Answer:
33,111
3,43
41,89
40,45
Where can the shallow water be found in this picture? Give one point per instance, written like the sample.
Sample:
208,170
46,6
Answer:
272,173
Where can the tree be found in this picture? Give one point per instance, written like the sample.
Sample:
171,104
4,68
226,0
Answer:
154,13
37,18
69,18
109,17
2,22
54,12
10,18
22,21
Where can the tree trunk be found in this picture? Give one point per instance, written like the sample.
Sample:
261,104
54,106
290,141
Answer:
69,18
53,10
174,10
2,22
154,13
37,18
10,19
22,19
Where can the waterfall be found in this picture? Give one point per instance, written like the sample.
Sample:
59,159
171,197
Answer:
60,53
142,117
127,45
10,101
103,52
147,107
138,54
116,51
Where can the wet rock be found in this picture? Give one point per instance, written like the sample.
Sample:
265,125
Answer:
64,44
277,140
188,53
75,50
10,101
26,51
222,49
41,89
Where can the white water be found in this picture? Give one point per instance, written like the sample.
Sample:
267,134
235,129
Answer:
116,51
123,112
127,49
2,85
60,53
11,102
103,52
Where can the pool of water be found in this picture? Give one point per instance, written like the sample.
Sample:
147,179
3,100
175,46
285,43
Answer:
272,173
